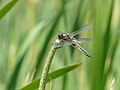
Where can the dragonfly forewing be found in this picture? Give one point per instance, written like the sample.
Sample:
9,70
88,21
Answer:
81,30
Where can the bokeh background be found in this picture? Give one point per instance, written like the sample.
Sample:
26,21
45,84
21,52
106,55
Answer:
29,28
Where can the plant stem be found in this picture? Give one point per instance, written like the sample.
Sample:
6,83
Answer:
46,68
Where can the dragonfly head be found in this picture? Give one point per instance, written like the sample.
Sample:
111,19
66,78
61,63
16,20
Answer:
61,35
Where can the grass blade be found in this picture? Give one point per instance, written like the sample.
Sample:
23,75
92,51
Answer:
53,75
13,82
107,38
6,8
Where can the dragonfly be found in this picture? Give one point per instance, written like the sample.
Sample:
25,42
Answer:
69,39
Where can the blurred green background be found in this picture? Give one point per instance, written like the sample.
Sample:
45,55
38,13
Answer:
29,27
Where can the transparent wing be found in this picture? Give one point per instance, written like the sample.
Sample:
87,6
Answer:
62,43
66,43
81,30
81,40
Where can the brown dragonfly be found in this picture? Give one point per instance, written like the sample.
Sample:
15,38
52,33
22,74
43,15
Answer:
69,39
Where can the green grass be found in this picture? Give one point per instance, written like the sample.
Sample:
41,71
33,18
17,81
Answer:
28,29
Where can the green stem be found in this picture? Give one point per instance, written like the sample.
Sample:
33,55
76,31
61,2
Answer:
46,68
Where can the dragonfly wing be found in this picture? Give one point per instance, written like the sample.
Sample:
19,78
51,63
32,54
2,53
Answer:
81,30
80,40
62,43
77,46
67,43
58,44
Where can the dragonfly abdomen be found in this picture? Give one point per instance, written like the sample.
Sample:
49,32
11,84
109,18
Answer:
77,46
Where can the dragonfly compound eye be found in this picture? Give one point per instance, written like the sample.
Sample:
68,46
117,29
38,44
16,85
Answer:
59,35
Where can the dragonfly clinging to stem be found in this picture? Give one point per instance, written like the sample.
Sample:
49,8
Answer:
69,39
